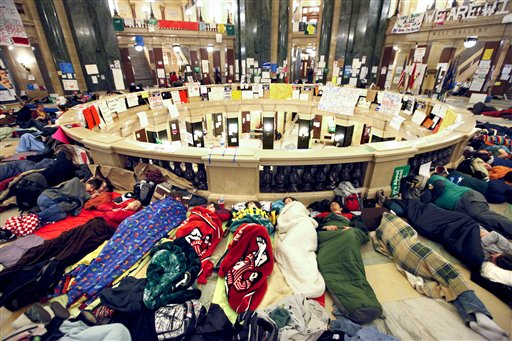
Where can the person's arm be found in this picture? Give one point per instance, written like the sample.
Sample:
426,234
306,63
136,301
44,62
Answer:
438,189
497,239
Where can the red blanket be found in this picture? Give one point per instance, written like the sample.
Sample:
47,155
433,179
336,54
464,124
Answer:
56,229
203,231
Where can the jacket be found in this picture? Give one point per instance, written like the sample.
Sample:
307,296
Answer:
70,195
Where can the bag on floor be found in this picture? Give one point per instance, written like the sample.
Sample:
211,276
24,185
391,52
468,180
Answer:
353,202
249,326
345,188
28,190
22,225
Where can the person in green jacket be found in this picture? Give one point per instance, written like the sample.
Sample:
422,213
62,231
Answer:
494,191
453,197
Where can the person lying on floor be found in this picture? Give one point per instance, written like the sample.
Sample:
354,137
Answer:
450,196
432,275
295,249
494,191
501,173
252,213
203,231
498,257
341,265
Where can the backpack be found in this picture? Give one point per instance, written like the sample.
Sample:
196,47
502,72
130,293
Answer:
178,321
28,190
144,191
249,326
353,202
345,188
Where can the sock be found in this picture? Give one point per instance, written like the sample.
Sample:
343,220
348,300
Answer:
485,322
488,334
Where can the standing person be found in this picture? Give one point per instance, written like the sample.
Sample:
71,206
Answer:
450,196
174,78
310,75
218,78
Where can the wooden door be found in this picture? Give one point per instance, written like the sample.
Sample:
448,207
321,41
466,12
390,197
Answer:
246,122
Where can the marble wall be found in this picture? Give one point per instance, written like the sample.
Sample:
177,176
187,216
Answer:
253,22
361,32
325,31
95,39
53,32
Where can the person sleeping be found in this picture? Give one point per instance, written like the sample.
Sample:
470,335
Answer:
334,220
252,213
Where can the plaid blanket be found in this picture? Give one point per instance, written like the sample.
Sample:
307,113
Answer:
427,271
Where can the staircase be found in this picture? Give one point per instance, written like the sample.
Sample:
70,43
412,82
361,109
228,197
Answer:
141,70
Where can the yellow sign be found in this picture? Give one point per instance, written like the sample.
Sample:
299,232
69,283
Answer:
497,83
448,119
487,54
144,94
221,28
236,94
280,91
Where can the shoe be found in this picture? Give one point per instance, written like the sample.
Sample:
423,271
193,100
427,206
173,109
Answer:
6,236
87,317
381,197
59,310
37,314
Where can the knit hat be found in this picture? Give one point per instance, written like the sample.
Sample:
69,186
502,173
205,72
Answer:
172,269
440,170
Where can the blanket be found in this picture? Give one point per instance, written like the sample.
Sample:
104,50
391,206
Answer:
295,252
427,271
134,237
252,216
341,265
203,231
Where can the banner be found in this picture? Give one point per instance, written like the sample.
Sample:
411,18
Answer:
408,23
398,174
12,31
178,25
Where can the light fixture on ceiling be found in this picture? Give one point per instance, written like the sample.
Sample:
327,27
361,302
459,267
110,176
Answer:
176,48
396,48
209,48
470,41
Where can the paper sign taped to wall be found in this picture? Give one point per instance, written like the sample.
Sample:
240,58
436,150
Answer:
143,119
91,69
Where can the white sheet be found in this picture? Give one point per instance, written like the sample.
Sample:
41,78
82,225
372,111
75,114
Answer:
295,252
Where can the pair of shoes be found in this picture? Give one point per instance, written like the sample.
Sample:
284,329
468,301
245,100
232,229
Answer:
381,197
6,236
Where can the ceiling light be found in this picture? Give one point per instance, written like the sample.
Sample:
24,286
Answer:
176,48
11,48
139,48
209,48
470,41
396,48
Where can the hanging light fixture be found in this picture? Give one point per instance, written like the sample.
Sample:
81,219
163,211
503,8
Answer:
209,48
396,48
139,43
470,41
176,48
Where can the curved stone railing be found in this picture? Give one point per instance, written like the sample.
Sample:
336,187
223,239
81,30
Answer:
245,173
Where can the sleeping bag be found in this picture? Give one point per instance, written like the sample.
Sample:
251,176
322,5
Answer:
341,265
295,252
134,237
203,231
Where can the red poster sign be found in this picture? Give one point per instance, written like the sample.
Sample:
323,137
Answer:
178,25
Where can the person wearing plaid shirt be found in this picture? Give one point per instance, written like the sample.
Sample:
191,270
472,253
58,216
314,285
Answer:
432,275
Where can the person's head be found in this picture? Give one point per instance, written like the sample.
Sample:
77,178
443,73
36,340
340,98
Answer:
504,262
441,170
484,155
92,185
174,73
212,207
252,204
134,205
335,207
288,200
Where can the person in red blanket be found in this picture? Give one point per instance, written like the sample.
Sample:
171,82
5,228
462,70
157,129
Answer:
246,266
116,213
203,231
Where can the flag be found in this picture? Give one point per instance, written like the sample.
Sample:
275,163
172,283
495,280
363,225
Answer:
402,79
449,78
413,77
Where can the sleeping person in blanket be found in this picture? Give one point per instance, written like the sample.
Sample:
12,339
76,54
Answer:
253,213
203,231
335,219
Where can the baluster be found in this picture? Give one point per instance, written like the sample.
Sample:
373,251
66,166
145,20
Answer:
266,180
332,177
307,179
415,164
280,180
189,172
357,174
201,177
177,169
345,172
294,179
160,163
320,177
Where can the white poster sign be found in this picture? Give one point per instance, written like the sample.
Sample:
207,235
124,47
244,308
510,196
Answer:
408,23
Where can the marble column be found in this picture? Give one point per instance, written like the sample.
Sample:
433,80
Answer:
53,32
91,25
325,30
282,45
275,32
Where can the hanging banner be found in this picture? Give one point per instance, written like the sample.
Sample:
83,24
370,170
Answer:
398,174
13,31
178,25
408,23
